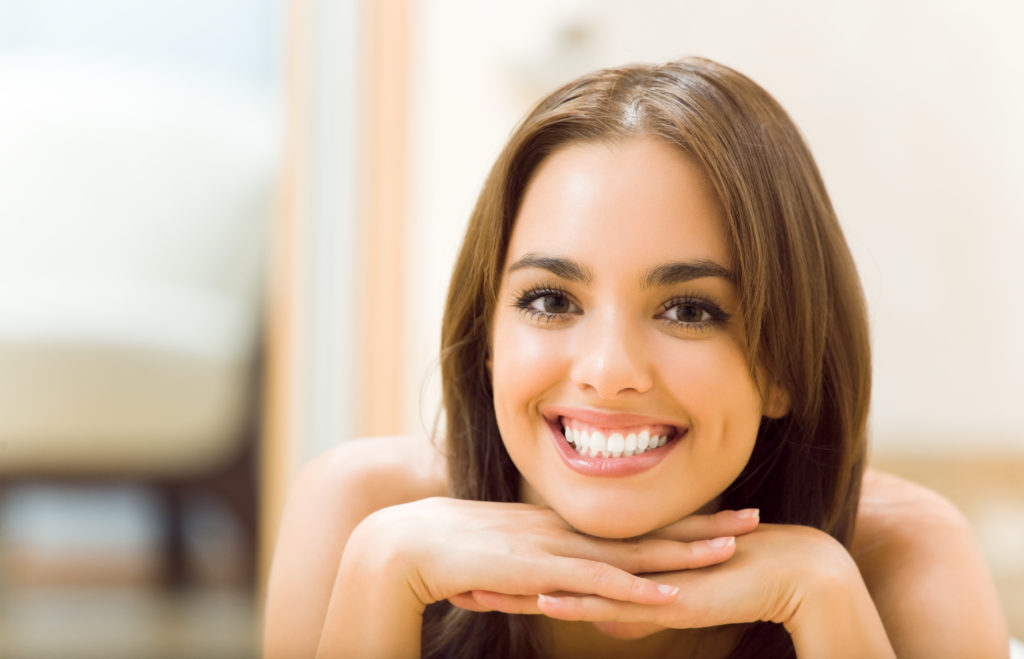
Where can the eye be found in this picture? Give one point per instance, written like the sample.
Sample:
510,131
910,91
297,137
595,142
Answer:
546,304
687,312
693,313
552,303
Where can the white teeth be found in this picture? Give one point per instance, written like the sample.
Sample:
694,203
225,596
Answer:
616,445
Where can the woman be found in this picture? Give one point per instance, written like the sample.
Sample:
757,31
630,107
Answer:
656,378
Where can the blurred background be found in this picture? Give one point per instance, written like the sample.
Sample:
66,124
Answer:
228,226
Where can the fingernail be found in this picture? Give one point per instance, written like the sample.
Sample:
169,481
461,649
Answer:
748,513
548,599
725,541
666,589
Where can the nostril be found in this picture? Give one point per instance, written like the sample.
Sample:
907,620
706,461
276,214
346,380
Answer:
610,374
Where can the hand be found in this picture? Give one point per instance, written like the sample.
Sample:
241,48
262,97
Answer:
400,559
763,580
793,575
452,548
769,576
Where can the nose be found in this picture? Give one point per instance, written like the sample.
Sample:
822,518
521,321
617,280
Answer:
611,358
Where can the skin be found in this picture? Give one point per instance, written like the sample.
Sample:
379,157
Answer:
368,538
913,548
619,212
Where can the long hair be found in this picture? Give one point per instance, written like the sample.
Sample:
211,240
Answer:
803,308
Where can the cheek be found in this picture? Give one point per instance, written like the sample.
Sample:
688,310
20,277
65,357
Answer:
525,362
714,381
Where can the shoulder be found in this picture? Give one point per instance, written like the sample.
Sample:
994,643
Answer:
337,489
894,510
383,471
925,572
326,501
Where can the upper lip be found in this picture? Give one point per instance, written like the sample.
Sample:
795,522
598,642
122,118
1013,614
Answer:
603,419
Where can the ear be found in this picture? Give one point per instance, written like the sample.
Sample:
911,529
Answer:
776,401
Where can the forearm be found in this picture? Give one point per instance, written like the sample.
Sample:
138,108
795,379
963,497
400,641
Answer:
837,619
373,613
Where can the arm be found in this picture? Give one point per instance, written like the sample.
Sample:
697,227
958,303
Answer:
374,611
926,573
833,615
327,500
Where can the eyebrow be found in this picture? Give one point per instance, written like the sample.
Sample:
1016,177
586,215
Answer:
665,274
557,265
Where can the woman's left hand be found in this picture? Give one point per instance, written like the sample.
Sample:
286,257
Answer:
796,576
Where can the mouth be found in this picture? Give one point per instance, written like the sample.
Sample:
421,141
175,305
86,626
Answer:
616,442
602,444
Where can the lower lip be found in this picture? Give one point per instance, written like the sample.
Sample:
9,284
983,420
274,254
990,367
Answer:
609,467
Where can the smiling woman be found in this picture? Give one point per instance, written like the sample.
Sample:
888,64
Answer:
634,311
656,380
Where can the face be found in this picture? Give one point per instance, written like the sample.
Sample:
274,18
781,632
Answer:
621,386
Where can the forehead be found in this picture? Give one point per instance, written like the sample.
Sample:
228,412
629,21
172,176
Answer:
639,200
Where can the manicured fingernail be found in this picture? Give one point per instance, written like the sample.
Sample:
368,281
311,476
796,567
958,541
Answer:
718,543
548,599
748,513
666,589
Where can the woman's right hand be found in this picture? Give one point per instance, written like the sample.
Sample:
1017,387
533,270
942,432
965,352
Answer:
401,558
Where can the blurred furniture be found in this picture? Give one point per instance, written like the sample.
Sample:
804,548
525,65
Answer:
133,217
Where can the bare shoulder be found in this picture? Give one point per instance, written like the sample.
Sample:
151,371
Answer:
376,472
892,508
327,500
925,571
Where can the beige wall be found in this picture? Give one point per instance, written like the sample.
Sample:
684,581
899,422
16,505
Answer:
912,109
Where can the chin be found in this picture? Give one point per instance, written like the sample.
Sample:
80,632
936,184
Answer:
600,524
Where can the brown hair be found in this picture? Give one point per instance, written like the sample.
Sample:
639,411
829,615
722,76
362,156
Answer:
803,308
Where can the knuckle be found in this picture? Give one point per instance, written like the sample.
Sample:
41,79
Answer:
602,575
637,589
598,572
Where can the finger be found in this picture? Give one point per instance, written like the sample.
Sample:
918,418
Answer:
720,595
469,602
656,554
599,609
703,527
488,600
599,578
